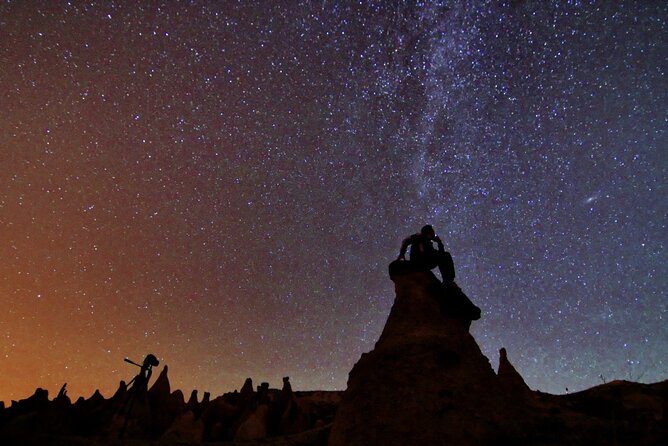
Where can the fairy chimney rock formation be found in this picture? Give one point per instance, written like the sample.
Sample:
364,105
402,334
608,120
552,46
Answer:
426,381
161,386
509,378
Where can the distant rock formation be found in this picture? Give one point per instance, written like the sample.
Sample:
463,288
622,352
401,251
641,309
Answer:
509,379
426,382
165,405
162,415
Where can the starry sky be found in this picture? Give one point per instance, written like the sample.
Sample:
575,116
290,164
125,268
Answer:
223,184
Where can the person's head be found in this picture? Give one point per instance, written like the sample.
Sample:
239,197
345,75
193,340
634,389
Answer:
428,231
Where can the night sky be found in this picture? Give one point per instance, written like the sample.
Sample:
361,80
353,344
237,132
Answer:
223,184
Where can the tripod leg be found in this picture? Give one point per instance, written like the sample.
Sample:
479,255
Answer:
129,404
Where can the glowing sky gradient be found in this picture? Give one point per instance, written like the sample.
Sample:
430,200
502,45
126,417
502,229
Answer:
223,184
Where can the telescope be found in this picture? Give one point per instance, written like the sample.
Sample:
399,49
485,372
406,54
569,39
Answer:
149,361
140,386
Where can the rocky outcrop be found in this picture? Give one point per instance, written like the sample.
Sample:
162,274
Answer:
509,379
161,387
186,428
165,406
426,381
254,427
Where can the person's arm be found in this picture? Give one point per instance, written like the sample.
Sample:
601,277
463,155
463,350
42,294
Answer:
404,247
438,241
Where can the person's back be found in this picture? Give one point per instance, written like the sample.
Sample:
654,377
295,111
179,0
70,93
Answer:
421,249
424,256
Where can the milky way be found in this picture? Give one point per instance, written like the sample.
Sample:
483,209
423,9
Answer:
223,184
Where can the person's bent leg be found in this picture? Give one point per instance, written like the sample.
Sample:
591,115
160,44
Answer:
447,267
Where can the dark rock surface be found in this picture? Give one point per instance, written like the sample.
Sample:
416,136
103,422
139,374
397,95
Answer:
425,375
509,379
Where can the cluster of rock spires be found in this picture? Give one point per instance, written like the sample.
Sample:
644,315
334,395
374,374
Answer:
164,416
426,382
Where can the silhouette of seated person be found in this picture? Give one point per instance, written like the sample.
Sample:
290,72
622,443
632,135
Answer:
423,255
